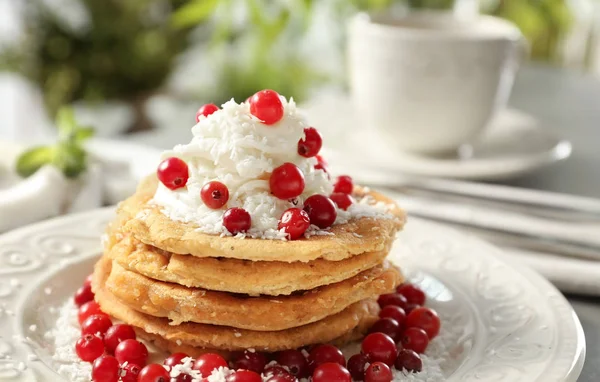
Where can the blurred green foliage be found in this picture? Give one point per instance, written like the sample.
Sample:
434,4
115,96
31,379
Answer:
128,48
67,154
255,43
125,50
545,23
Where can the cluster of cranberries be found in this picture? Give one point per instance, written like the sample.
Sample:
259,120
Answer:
395,340
286,181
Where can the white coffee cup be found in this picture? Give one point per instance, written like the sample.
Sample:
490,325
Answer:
428,81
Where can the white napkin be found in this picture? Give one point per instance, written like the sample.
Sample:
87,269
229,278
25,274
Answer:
47,193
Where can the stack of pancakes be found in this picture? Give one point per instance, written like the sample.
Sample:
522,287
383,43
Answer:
192,292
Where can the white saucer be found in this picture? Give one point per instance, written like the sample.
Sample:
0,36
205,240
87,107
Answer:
510,323
514,144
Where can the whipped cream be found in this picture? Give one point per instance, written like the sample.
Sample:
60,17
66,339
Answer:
235,148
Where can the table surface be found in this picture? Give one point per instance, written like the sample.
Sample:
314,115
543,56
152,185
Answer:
568,103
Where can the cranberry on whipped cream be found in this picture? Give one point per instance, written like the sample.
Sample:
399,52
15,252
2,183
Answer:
268,165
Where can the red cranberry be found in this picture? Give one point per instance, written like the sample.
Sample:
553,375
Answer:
132,351
130,372
173,173
105,369
88,309
378,372
413,294
154,373
409,361
393,312
295,362
206,363
324,354
410,307
89,279
206,110
287,181
89,347
415,339
311,144
214,194
294,222
331,372
175,359
237,220
266,106
395,299
426,319
357,365
96,324
282,378
343,185
387,326
182,378
321,163
83,295
321,211
244,376
117,334
277,370
379,347
343,201
248,360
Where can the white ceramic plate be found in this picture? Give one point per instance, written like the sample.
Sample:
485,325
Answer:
513,145
512,324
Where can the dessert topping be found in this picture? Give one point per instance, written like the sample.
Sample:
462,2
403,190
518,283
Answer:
105,369
173,173
328,372
379,347
214,194
426,319
264,159
237,220
294,222
321,211
117,334
378,372
342,201
206,110
96,324
408,360
84,294
154,373
132,351
343,184
414,339
206,363
89,347
287,181
266,105
311,144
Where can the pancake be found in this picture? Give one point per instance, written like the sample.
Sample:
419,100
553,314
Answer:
357,318
232,275
148,224
181,304
193,351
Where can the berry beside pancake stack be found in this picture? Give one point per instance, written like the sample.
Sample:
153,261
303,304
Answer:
243,241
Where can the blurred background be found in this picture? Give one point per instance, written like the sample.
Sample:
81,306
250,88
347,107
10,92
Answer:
103,53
